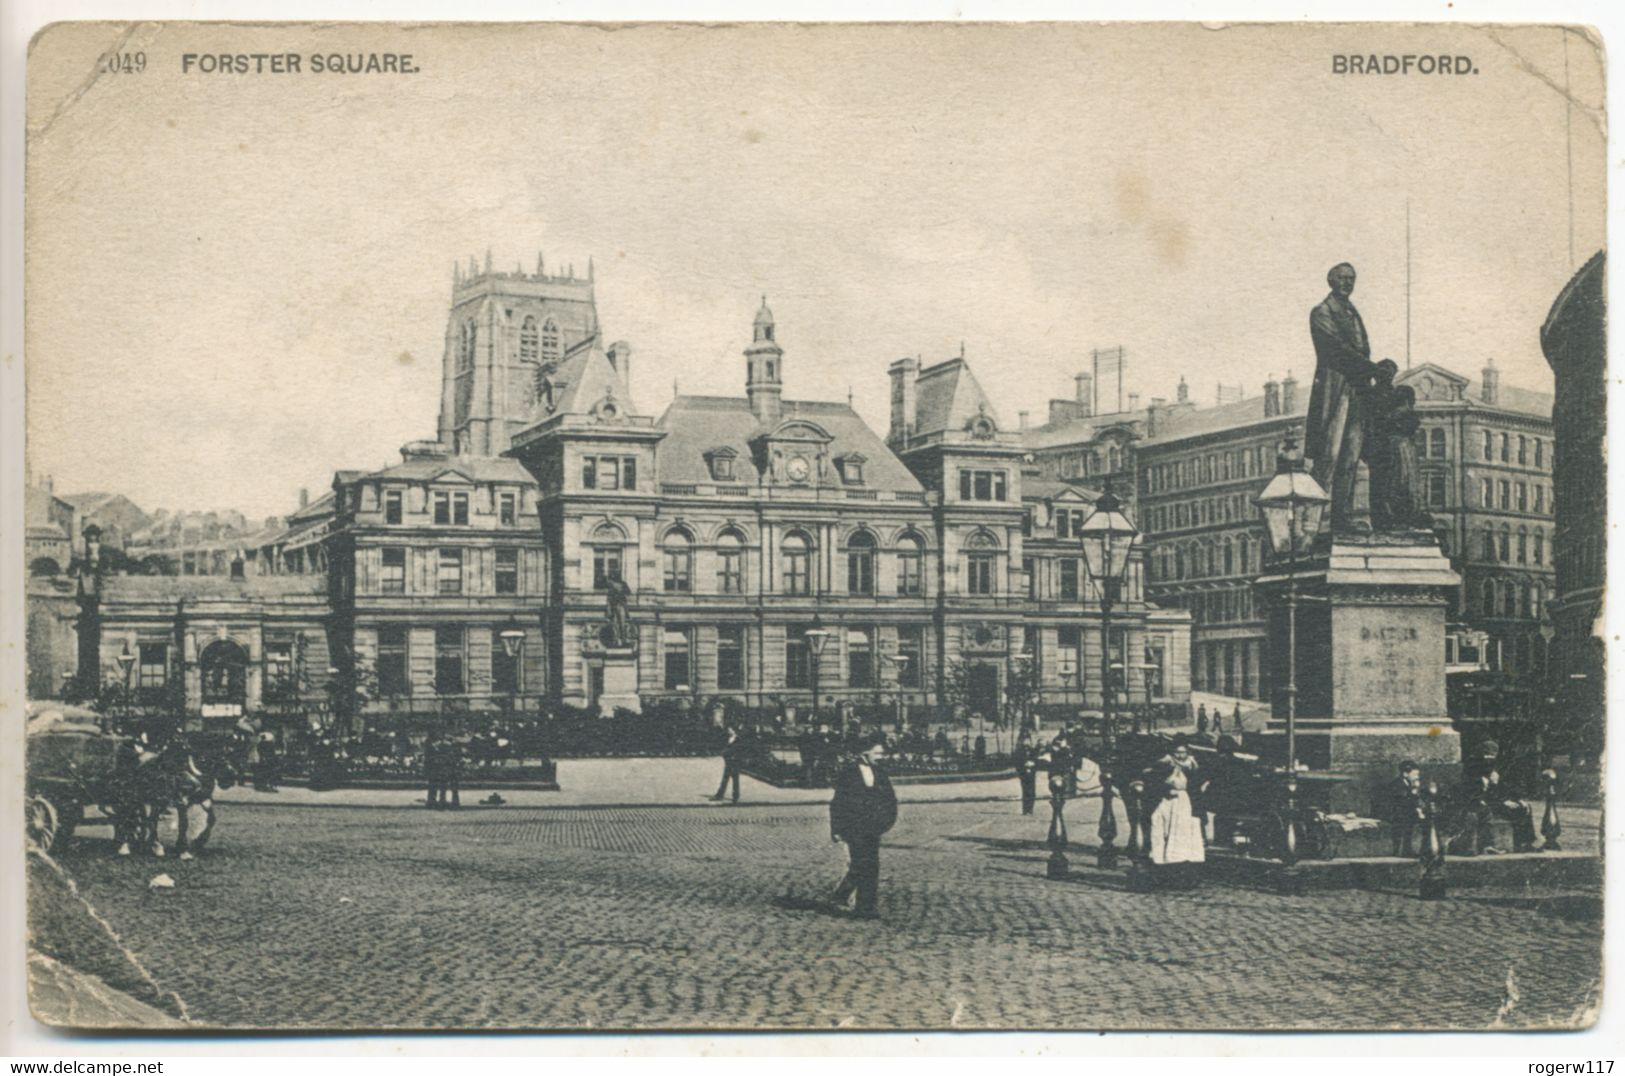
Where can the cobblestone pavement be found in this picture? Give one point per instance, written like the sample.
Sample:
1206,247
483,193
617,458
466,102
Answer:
625,915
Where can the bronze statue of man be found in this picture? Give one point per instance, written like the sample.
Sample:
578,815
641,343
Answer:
620,622
1343,368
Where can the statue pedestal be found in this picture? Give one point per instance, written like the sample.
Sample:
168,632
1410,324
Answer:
620,687
1370,663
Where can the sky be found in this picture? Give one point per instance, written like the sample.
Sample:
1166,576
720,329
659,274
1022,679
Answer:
237,284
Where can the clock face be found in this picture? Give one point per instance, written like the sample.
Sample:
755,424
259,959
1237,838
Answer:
797,469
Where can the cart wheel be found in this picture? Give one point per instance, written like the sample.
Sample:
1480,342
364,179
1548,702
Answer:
42,822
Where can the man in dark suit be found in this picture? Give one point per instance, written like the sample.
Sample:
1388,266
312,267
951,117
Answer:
1402,807
1489,798
863,809
1343,368
1025,760
730,765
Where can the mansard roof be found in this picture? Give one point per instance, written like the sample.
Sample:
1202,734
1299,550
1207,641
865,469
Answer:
696,426
948,397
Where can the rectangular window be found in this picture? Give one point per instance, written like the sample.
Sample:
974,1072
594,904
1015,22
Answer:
911,646
981,485
507,571
392,661
1540,497
730,570
392,506
153,665
1540,544
606,565
860,657
450,508
979,569
730,658
505,672
1506,495
1486,493
629,473
910,581
609,472
1436,489
449,576
1523,496
392,580
507,508
797,563
678,659
797,657
448,659
1069,579
1069,647
279,680
589,473
1029,576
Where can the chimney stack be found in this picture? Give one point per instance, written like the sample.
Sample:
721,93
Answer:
304,497
1289,395
1184,395
1021,417
1272,397
904,400
1492,383
1085,394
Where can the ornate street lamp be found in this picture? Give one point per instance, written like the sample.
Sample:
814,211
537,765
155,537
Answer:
513,642
817,639
1021,666
1292,503
126,663
900,662
1108,538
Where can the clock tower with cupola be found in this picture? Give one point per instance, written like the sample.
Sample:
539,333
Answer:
764,372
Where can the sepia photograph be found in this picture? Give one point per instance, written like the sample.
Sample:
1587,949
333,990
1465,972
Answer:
789,527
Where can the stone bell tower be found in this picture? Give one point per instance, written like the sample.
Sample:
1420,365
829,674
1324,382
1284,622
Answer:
505,330
764,371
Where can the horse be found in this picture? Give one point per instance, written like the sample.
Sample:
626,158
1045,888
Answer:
184,776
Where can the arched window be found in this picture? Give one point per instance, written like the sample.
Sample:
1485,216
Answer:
1540,547
1523,546
607,541
1540,453
471,334
677,557
730,562
1229,557
1489,543
981,564
860,563
1114,459
1436,444
1526,599
1506,448
1489,597
1537,599
552,348
1246,549
1509,599
910,567
1523,449
1489,445
1179,564
797,556
528,340
1506,543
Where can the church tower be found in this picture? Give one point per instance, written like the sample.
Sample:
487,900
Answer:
764,369
505,332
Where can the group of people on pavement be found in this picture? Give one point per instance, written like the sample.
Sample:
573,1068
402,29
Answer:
443,772
1484,798
1217,720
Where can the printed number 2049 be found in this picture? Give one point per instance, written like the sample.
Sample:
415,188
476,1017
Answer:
124,63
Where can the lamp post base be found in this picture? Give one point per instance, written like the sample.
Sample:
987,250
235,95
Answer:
1106,860
1057,868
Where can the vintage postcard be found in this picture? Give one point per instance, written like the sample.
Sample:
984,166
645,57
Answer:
814,526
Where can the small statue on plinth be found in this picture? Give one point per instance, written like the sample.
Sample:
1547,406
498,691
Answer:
619,623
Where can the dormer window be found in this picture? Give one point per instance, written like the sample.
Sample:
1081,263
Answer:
450,508
721,464
851,468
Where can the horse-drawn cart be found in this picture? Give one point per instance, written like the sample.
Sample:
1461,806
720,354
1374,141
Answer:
70,770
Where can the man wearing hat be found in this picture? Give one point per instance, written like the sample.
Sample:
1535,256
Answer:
1403,807
863,809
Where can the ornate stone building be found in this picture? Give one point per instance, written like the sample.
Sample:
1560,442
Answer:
939,561
1486,456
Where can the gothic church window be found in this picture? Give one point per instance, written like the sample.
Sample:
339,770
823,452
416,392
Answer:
552,349
528,341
